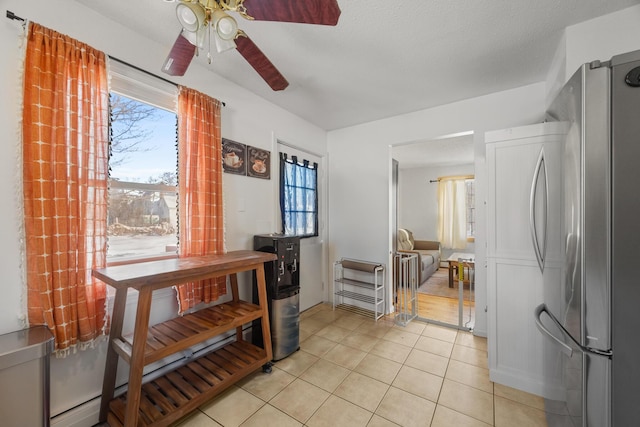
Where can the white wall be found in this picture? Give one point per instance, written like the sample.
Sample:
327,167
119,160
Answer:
601,38
597,39
359,195
418,198
247,118
359,177
556,76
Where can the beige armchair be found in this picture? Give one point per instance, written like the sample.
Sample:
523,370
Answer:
428,252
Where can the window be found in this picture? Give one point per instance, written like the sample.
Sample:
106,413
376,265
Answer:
298,196
456,211
470,196
142,216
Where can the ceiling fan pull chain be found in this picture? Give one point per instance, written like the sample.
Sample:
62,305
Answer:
209,47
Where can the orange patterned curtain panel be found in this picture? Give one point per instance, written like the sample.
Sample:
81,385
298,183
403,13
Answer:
65,143
201,229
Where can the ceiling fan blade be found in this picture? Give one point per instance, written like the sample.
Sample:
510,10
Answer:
179,57
261,63
322,12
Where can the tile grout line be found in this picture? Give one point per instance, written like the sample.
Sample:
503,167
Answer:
443,378
366,353
373,413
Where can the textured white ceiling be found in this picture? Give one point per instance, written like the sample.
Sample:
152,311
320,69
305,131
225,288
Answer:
450,150
386,58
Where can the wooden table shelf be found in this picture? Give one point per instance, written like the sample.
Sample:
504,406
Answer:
174,335
164,400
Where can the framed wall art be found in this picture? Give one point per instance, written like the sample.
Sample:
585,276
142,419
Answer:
258,162
234,157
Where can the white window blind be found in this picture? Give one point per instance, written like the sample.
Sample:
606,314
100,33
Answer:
141,86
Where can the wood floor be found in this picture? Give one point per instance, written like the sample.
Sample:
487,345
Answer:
444,309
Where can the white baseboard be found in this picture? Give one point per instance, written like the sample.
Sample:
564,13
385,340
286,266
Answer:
520,381
479,333
85,415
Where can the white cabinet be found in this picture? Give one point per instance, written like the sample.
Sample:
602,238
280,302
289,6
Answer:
524,249
518,160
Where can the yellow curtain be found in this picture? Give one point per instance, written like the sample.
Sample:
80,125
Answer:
200,210
65,169
452,213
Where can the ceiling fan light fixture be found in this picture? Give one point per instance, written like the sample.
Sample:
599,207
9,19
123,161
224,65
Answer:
191,15
226,27
223,45
196,38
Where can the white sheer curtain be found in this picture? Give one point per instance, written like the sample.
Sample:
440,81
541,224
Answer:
452,226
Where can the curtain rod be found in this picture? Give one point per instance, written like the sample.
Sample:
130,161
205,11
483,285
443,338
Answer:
142,70
451,178
280,142
15,17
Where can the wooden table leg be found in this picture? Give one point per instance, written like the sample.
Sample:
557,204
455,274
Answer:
264,303
137,357
233,279
111,366
450,274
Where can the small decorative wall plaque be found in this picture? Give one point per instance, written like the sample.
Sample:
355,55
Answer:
234,156
258,162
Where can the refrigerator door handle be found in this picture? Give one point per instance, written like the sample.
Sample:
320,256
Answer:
542,308
540,254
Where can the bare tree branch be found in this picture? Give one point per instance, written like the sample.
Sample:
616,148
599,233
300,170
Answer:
167,178
127,133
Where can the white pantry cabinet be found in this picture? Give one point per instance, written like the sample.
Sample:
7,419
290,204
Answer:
524,249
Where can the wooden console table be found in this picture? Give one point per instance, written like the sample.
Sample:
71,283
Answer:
168,398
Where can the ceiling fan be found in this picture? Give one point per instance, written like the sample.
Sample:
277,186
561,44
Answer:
210,20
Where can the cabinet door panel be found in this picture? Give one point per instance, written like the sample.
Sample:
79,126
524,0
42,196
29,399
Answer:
511,170
518,357
512,175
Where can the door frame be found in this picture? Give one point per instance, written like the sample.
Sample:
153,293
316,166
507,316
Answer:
394,185
321,238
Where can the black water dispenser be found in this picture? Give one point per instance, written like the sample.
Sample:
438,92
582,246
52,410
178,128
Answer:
283,293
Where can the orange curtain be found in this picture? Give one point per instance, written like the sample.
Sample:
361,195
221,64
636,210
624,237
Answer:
65,143
200,210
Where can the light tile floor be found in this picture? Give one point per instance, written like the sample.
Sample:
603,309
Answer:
352,371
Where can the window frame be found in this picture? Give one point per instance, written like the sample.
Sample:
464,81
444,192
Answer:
292,161
470,197
139,85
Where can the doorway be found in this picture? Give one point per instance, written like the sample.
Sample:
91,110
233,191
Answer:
445,293
312,249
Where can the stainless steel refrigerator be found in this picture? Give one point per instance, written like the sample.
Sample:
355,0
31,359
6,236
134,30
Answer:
594,326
